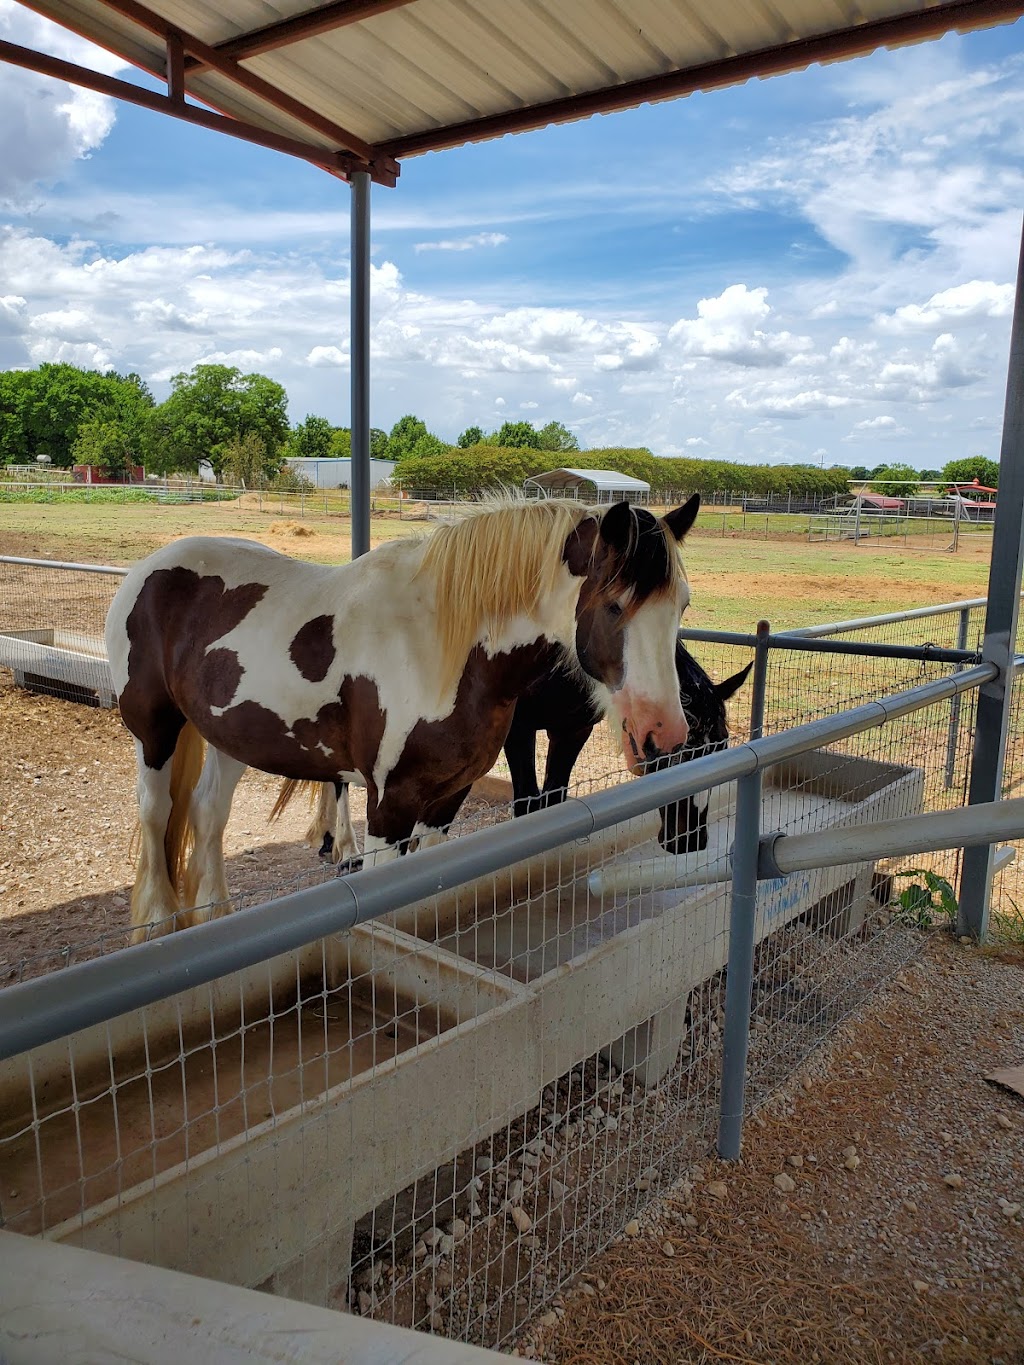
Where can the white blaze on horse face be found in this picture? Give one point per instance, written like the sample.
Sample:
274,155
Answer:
647,705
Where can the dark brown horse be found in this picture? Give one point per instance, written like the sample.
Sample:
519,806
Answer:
400,670
567,710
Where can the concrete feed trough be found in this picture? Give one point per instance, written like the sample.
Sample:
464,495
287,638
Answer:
59,662
242,1129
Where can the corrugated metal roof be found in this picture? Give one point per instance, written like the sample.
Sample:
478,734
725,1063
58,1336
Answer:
388,78
604,480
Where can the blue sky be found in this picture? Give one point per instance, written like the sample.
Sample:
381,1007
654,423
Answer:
818,267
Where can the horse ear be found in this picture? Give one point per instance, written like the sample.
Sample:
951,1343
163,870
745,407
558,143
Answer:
724,690
682,518
578,550
617,526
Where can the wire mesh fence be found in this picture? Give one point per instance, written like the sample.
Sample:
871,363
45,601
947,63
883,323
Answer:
885,530
438,1118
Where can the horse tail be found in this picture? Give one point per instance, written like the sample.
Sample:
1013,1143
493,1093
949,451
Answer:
288,789
186,766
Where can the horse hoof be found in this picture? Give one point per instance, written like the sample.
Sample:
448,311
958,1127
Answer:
348,866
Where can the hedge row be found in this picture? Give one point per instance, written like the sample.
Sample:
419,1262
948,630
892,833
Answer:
90,493
488,467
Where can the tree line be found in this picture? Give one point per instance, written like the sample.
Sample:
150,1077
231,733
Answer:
64,415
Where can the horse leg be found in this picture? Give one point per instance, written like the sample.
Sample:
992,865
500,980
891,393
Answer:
345,844
437,820
684,826
206,887
564,748
521,756
154,898
391,816
322,828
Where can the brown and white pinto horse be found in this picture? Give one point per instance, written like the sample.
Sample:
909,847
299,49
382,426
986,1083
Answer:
400,670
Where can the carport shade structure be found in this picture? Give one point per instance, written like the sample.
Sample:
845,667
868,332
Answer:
355,85
607,485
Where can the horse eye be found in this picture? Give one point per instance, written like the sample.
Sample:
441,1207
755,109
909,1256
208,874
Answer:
614,609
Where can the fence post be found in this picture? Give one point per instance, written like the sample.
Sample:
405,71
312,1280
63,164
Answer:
954,705
742,914
999,643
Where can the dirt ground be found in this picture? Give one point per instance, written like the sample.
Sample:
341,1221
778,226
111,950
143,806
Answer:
67,815
876,1215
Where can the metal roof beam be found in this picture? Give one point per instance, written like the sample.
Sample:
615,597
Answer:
323,19
772,61
341,164
256,85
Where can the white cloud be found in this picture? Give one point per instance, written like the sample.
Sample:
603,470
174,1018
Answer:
464,243
923,379
876,424
46,124
975,299
324,357
787,405
730,328
914,186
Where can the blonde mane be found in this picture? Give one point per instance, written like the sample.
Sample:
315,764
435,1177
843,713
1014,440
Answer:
497,562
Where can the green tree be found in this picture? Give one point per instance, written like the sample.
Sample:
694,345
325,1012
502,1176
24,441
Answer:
895,481
106,445
311,439
404,435
246,461
341,444
378,444
972,467
214,407
555,436
429,445
14,443
518,436
470,437
42,410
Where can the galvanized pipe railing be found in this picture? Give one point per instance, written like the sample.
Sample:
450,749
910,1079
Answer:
62,564
39,1011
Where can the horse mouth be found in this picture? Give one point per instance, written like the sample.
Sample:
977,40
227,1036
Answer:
650,759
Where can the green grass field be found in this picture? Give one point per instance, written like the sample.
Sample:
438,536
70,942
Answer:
736,578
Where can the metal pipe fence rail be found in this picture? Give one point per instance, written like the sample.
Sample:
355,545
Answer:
40,1011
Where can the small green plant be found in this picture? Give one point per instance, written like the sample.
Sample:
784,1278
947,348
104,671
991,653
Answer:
926,901
1007,925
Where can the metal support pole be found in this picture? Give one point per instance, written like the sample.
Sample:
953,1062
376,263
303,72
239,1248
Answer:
953,738
998,646
359,349
742,914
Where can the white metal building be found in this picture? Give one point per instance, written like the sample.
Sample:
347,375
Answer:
593,485
337,473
